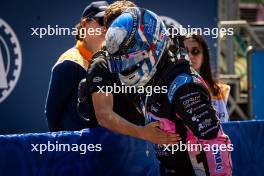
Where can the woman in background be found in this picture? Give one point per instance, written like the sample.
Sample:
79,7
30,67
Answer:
199,55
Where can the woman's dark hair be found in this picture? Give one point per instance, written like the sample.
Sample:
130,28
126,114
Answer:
205,70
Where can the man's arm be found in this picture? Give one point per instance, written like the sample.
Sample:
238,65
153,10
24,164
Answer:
98,76
107,118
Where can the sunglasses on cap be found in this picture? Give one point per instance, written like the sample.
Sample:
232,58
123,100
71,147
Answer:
194,51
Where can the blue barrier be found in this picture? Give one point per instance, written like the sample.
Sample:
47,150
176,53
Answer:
256,84
248,154
120,155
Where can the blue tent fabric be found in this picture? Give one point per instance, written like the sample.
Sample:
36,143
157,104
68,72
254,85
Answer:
120,155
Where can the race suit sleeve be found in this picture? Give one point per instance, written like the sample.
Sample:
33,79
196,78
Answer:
60,90
192,104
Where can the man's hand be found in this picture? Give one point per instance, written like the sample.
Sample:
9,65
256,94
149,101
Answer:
152,133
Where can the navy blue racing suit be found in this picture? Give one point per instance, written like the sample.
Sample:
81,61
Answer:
186,109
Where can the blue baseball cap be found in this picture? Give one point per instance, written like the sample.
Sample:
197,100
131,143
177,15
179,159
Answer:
95,10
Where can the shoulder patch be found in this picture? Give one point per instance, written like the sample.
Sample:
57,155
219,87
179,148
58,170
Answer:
180,80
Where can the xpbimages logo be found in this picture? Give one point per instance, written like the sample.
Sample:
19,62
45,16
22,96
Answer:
147,90
59,147
57,30
176,29
214,148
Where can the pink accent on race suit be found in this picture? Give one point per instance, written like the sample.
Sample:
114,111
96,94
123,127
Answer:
167,126
202,80
219,162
